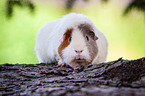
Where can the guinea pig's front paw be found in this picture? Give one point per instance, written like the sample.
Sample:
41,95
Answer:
60,63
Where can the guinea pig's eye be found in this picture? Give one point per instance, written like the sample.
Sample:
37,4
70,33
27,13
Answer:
69,39
87,38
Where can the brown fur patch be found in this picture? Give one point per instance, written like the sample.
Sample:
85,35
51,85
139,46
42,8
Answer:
65,42
87,30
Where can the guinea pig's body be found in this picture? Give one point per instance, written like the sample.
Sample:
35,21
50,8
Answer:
72,40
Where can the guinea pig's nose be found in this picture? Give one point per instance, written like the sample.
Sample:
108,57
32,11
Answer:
78,51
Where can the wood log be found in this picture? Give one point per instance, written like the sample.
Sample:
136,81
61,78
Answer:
115,78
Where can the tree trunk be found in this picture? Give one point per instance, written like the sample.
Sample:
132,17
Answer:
116,78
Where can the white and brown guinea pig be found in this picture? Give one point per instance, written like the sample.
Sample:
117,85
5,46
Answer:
73,40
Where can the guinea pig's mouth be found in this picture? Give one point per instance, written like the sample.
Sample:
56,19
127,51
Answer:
77,62
80,60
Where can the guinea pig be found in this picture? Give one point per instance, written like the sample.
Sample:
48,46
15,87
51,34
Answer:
73,40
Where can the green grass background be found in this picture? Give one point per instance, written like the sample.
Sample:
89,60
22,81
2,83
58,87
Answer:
125,34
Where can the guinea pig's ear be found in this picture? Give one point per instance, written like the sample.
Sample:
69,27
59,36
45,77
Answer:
92,34
96,38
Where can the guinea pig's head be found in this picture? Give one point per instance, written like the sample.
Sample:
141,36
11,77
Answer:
79,45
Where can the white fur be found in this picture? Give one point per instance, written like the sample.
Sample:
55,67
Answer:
50,37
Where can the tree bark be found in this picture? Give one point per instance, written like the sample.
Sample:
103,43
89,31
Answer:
117,78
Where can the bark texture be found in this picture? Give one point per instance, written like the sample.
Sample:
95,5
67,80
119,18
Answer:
115,78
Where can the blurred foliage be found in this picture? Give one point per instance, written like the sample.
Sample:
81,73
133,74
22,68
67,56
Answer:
22,3
17,36
105,1
135,4
69,4
138,4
